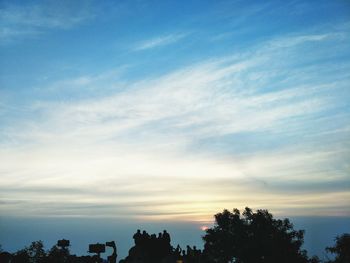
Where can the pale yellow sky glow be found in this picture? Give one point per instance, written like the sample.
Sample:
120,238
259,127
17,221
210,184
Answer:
160,183
183,145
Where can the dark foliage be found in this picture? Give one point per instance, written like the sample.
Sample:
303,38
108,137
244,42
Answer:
35,253
341,249
253,238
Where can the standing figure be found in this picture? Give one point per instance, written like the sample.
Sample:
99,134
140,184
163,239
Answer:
112,258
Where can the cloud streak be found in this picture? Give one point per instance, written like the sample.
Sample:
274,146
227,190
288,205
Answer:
28,20
159,41
149,149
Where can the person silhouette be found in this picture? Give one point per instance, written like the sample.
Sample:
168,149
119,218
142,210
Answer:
166,237
189,250
112,258
144,238
137,237
178,251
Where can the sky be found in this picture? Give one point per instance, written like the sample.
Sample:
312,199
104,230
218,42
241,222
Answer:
171,111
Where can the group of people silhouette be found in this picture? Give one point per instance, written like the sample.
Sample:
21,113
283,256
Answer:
191,254
150,248
152,242
158,249
146,241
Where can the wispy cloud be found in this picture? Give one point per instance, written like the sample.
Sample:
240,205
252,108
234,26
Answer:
296,40
159,41
30,19
135,152
105,80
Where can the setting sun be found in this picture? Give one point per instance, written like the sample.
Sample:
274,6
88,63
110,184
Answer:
204,228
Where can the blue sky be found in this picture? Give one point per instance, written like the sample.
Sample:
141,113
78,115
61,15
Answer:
174,110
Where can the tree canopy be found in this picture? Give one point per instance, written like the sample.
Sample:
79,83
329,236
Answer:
253,237
341,249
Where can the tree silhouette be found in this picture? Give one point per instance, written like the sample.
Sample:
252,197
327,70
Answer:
253,238
341,249
58,255
21,256
36,252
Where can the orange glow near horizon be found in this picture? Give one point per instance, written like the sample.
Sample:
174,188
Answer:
204,228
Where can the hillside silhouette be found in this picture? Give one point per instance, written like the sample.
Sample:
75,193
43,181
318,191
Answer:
247,237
